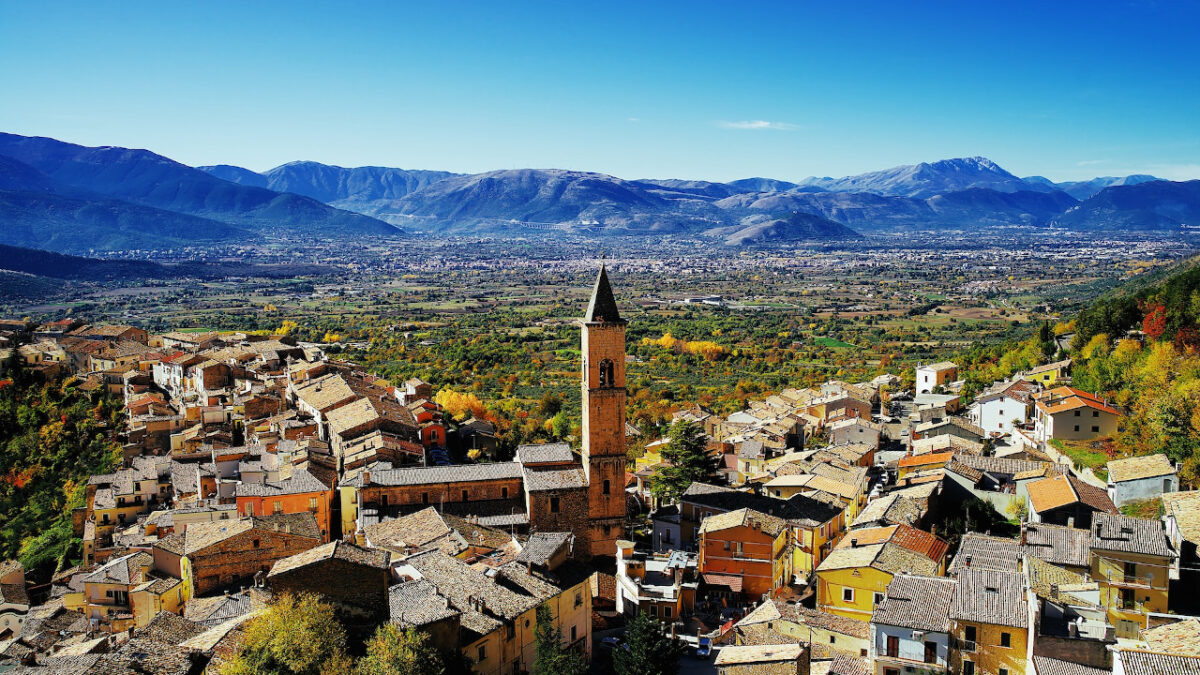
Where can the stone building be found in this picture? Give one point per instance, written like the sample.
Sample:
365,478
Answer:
355,580
547,488
225,552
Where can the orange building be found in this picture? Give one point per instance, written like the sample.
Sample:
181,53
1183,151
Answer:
299,493
745,550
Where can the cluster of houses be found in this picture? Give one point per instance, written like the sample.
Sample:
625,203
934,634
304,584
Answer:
838,542
255,467
854,528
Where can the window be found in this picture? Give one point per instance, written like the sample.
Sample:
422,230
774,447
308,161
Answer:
1005,639
1077,413
1095,429
312,504
466,497
969,633
278,507
726,547
833,639
504,493
257,543
1076,427
893,646
606,373
847,594
511,630
666,612
1095,413
424,497
1004,671
607,487
578,599
575,634
930,652
878,598
481,653
968,668
554,505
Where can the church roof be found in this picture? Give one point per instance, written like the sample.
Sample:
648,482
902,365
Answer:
603,306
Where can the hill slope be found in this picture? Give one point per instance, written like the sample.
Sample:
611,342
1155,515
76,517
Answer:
1159,205
793,227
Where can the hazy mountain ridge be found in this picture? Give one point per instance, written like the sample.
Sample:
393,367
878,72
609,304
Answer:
144,178
62,195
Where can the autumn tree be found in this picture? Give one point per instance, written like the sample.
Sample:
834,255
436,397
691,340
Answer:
687,461
396,651
298,635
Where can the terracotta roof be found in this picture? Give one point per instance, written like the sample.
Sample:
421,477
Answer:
1180,637
770,525
752,654
733,582
920,603
1063,399
334,550
1185,508
1137,468
1051,493
925,459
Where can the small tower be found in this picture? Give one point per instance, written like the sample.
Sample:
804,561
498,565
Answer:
602,343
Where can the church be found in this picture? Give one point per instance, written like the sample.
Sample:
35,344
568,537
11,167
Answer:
546,487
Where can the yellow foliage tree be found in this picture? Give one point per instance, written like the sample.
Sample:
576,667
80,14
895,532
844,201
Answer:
460,405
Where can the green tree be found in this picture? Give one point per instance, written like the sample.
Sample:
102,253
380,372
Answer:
687,461
298,635
552,657
648,650
393,651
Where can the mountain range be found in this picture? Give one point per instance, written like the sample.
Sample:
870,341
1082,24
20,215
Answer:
71,198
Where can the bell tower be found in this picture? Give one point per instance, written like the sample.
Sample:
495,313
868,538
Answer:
602,343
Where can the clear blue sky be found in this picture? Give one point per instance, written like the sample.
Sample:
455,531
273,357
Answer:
703,90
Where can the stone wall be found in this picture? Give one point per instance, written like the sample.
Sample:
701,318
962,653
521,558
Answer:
238,559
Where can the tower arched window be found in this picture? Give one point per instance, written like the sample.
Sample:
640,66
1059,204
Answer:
606,373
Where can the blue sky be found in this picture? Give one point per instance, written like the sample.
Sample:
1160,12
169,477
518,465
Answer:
700,90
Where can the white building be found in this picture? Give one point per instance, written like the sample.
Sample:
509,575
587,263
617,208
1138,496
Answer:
910,627
935,375
1003,406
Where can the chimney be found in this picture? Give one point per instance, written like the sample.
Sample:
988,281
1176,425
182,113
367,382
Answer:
854,542
366,478
1070,521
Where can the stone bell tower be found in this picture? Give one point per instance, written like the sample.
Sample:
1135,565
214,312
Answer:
602,342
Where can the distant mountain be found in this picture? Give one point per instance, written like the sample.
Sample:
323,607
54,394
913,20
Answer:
761,185
236,174
144,178
928,179
19,176
1151,206
554,198
793,227
990,208
1082,189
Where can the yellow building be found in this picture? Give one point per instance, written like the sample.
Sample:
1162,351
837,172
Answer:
857,572
490,618
1130,560
990,620
126,593
801,624
1047,375
813,535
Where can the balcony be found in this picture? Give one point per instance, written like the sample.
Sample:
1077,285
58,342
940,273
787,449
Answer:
969,646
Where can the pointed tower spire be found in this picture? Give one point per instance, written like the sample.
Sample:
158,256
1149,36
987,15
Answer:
603,306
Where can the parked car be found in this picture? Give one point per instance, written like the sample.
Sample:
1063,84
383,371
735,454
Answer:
704,649
612,642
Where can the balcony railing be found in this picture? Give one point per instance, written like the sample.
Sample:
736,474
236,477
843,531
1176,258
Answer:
967,645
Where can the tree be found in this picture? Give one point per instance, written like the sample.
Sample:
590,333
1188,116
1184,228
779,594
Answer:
687,461
552,657
298,635
392,651
648,650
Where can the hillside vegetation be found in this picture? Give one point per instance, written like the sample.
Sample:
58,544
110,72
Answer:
53,437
